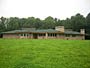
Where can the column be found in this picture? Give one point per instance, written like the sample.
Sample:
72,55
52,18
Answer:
46,35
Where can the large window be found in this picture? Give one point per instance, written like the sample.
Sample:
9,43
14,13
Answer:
52,34
61,34
21,34
41,34
67,35
73,35
24,34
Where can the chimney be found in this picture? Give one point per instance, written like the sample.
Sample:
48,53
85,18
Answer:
82,31
59,28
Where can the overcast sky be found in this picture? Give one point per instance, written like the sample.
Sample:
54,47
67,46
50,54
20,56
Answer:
42,8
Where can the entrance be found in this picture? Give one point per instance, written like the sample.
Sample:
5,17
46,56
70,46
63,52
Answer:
35,36
1,35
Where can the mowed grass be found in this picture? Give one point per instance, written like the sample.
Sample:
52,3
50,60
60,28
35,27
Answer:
31,53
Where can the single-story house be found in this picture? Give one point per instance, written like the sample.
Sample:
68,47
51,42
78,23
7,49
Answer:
58,33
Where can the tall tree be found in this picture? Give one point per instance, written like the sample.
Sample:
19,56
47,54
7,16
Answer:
13,23
49,22
30,22
38,23
78,22
2,24
88,23
22,22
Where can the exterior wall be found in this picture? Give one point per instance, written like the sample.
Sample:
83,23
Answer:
30,36
82,31
60,28
58,36
50,37
10,36
77,37
15,36
42,36
23,37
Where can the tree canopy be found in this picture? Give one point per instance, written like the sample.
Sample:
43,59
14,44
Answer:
76,22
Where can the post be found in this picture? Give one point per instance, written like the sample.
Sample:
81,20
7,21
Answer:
82,31
46,35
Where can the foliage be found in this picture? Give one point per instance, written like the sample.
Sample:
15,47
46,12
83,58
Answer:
2,24
76,22
88,23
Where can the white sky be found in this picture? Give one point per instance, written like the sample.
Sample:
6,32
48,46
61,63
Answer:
42,8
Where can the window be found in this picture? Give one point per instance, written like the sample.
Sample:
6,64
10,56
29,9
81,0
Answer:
21,34
52,34
41,34
30,34
18,34
49,34
73,35
27,34
67,35
55,34
24,34
61,34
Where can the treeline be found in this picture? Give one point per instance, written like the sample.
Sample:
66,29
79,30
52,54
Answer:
76,22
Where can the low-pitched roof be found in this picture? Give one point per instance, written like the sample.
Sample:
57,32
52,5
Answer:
42,31
17,31
71,32
34,31
46,30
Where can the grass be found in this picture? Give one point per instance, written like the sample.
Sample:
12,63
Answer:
26,53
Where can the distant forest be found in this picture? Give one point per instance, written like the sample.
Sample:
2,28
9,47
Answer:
76,23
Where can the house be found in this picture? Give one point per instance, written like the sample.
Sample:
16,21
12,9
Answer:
58,33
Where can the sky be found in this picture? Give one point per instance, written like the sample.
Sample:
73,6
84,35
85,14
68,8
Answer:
60,9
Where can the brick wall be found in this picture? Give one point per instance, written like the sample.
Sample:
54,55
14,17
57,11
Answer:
10,36
77,37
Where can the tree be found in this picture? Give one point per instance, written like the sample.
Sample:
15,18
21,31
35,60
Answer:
49,22
2,24
30,22
38,23
22,22
13,23
78,22
67,23
88,23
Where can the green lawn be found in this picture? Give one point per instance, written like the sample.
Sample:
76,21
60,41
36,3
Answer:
26,53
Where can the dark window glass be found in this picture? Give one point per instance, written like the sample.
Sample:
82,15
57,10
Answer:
67,35
48,34
24,34
55,35
73,35
21,34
